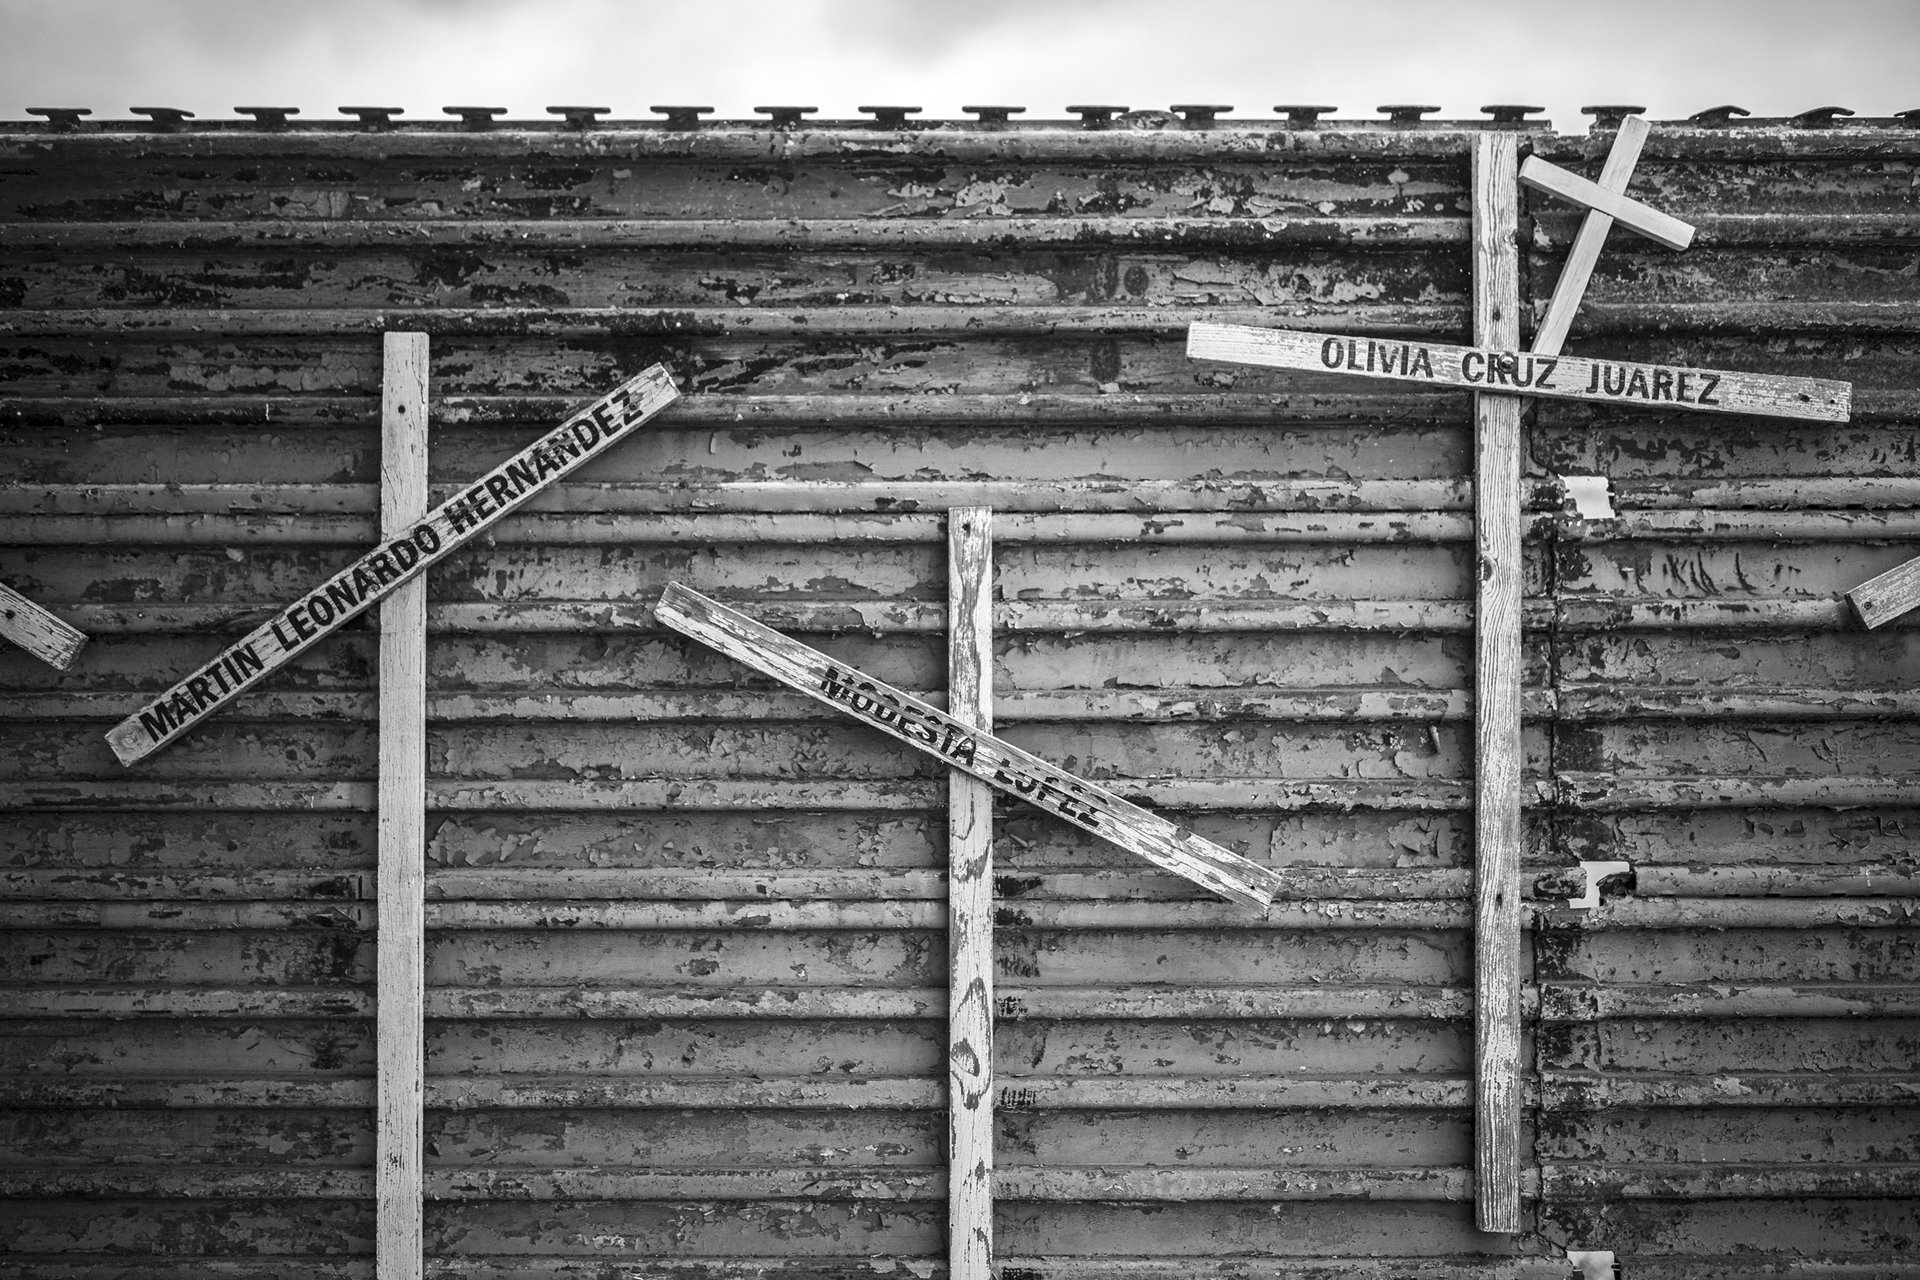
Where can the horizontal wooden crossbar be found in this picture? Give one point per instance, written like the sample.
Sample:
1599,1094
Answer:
1520,373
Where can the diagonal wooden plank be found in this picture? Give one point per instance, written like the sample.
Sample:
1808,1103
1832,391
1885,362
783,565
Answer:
1497,674
375,576
1000,764
969,903
400,968
1879,600
38,632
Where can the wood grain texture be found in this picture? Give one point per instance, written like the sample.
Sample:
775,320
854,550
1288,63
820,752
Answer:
1881,599
37,631
1501,366
1018,773
400,967
1497,708
970,1123
373,577
1606,197
1551,334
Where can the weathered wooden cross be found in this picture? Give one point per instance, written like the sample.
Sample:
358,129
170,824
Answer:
1499,374
993,760
401,558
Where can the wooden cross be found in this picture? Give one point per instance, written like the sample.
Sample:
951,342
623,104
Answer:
1499,374
1605,205
382,572
965,747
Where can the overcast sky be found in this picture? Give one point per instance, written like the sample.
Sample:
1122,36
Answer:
1675,57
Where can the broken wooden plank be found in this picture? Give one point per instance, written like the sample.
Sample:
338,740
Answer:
400,968
969,903
375,576
1001,764
38,632
1498,753
1879,600
1500,366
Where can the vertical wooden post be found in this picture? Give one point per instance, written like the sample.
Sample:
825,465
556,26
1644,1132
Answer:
1497,775
401,957
969,903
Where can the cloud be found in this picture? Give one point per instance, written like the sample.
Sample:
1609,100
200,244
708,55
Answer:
1768,55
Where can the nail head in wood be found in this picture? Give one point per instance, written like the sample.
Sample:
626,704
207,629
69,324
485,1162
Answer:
1717,117
682,117
1510,113
786,117
269,117
1199,114
889,117
475,117
1095,117
1820,117
1302,113
61,117
994,115
1405,113
373,117
579,117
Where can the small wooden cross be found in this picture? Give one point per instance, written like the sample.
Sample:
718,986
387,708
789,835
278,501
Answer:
1605,205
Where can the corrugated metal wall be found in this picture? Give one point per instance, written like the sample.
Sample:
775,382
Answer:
686,1012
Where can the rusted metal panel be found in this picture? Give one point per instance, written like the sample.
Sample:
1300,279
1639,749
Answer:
686,995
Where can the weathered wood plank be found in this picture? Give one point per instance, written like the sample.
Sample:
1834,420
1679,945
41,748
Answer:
400,968
970,919
1501,366
1881,599
37,631
376,575
1605,197
1499,756
1007,767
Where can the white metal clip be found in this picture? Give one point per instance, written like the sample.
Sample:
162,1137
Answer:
1595,873
1593,1264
